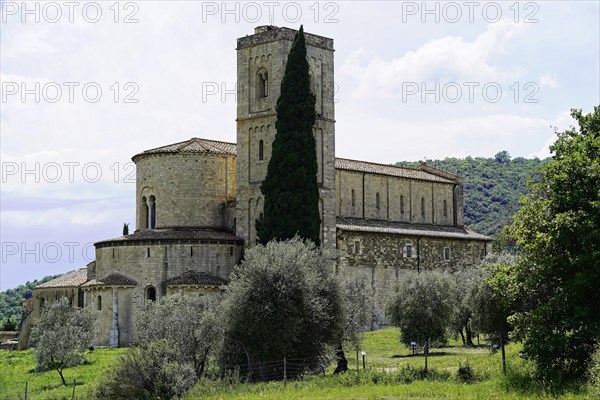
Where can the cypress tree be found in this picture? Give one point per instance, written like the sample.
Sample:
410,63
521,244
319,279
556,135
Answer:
290,187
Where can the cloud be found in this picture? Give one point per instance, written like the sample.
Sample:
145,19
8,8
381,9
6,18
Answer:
548,80
446,59
562,122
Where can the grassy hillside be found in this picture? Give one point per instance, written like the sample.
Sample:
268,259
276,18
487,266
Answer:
493,187
11,302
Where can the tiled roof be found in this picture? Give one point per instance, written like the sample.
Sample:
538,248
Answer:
385,169
196,278
114,279
194,145
175,234
199,145
402,228
70,279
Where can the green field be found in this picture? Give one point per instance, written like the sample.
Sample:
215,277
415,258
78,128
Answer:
387,363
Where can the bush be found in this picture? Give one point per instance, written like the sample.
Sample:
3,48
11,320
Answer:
154,372
465,373
593,373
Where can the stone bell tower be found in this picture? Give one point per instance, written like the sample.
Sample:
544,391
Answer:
261,61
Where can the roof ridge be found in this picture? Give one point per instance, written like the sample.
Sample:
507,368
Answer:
384,165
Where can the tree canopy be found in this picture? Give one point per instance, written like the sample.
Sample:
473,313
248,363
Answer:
290,187
557,232
61,335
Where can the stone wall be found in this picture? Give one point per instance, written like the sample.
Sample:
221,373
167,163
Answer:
382,197
150,265
189,189
383,258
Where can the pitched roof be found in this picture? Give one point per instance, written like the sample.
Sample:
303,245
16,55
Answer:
196,278
199,145
194,145
70,279
114,279
175,234
392,170
402,228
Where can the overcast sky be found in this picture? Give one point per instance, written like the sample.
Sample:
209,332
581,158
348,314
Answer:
85,86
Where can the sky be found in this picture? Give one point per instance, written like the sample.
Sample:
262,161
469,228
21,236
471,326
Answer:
87,85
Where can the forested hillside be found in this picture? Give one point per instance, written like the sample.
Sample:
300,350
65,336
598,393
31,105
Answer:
493,187
11,302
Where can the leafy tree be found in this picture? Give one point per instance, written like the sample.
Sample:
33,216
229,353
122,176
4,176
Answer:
358,311
290,187
154,372
61,335
493,299
557,232
190,325
283,301
461,322
422,308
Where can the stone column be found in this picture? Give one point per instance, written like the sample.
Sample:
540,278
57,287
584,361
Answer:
113,339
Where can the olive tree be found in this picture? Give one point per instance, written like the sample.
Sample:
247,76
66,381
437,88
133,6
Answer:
175,338
423,307
283,301
61,335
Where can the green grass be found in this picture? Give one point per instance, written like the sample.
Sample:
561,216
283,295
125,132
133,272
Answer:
389,364
17,368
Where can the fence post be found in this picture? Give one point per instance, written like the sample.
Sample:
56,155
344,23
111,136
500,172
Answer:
74,384
284,372
356,360
26,386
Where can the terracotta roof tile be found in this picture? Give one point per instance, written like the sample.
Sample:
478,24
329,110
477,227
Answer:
194,145
114,279
71,278
199,145
391,170
402,228
196,278
175,234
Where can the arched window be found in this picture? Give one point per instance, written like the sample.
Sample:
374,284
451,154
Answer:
377,200
353,198
445,208
144,216
260,150
153,213
150,293
401,204
99,303
261,217
262,83
423,206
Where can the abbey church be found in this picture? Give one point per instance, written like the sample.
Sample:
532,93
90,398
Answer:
197,202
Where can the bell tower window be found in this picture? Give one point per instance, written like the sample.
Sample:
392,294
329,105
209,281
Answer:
261,153
262,83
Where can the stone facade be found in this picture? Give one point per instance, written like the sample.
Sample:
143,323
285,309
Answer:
197,200
261,62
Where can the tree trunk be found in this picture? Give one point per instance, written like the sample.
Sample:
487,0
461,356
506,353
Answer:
342,362
503,354
62,377
469,335
426,353
462,336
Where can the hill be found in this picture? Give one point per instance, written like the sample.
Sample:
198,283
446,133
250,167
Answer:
11,302
493,187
